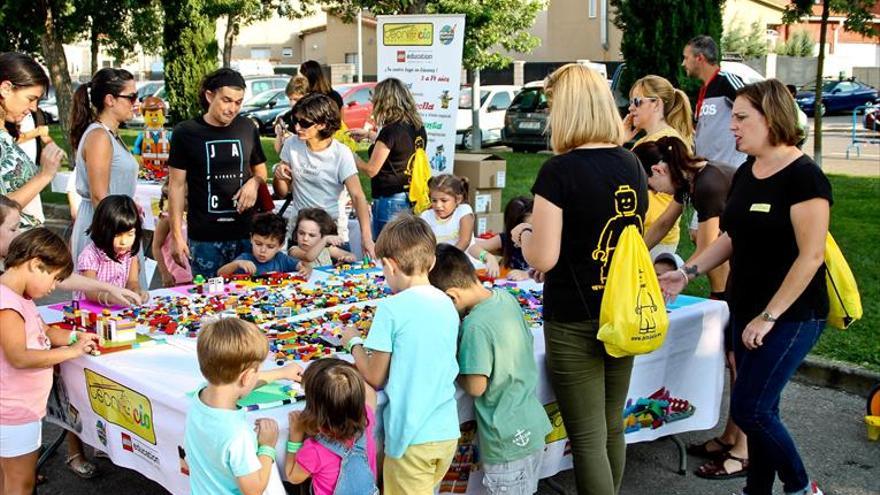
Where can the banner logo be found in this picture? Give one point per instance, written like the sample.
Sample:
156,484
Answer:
447,34
121,405
415,34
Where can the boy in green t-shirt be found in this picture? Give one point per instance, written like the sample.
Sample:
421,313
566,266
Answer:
497,367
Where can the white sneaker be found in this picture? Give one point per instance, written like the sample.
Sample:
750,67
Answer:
813,489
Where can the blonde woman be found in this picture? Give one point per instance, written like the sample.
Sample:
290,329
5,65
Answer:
659,110
400,127
584,196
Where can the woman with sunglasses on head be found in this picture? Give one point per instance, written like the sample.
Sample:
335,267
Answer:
104,164
22,83
659,110
400,131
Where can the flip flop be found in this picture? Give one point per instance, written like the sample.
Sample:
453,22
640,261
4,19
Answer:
715,470
86,469
701,450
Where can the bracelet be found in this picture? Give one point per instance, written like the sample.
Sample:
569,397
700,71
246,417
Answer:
686,277
266,451
483,255
73,338
523,231
293,447
353,342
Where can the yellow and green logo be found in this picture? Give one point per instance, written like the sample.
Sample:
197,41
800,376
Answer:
121,405
408,34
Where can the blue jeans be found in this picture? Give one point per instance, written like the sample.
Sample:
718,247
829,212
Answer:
754,403
206,257
386,208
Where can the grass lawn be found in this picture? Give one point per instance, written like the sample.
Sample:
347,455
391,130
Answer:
854,223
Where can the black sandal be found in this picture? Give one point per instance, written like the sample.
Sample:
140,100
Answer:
715,470
701,449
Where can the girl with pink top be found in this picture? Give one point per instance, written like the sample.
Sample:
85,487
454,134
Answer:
111,256
169,270
35,262
340,452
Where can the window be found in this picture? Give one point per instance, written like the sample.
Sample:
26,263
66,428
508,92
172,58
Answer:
351,58
260,86
592,9
287,52
846,87
361,97
261,53
500,101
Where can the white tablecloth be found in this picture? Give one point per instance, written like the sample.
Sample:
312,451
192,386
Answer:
133,404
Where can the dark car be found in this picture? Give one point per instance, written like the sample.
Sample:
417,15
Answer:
264,108
837,96
526,119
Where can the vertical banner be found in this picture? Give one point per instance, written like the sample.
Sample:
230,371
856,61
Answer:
424,52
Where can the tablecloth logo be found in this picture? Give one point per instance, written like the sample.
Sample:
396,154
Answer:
558,431
138,448
121,405
101,430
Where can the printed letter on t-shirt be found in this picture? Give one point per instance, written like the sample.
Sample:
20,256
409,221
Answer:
225,168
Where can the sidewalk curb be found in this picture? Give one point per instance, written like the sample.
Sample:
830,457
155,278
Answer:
837,375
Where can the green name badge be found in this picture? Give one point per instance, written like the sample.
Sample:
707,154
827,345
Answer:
760,207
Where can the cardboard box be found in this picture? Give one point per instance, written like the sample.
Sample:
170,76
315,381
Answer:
485,200
488,222
483,171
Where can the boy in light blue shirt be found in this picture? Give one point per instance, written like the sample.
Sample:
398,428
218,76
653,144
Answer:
223,453
412,345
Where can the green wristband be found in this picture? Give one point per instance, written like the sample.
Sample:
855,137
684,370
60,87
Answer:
266,451
73,338
293,447
483,255
353,342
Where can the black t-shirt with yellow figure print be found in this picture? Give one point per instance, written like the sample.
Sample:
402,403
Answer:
600,191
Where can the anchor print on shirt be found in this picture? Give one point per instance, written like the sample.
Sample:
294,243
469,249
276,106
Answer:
225,174
626,205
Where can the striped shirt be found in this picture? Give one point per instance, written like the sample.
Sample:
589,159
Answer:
112,272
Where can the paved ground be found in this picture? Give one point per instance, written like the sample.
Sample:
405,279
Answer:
826,424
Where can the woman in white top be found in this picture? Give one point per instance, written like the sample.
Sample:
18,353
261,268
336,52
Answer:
104,165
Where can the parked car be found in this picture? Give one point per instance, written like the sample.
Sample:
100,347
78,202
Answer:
49,104
872,116
144,89
356,103
526,119
260,84
264,108
494,101
837,96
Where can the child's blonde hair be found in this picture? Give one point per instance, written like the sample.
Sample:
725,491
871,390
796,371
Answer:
297,86
455,186
228,347
410,242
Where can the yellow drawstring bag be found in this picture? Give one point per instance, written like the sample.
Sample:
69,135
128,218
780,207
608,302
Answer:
418,168
632,317
844,303
342,136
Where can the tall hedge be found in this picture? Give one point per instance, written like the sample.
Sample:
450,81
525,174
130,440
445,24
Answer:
190,52
655,32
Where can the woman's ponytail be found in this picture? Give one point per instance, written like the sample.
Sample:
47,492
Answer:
81,114
680,117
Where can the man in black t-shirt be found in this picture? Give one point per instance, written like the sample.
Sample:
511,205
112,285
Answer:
219,159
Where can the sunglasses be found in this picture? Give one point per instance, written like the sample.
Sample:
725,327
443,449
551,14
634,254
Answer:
638,100
304,124
132,97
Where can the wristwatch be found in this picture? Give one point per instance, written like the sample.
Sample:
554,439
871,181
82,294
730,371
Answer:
766,316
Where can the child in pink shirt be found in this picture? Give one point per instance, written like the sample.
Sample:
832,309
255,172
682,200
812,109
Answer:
339,421
35,262
171,273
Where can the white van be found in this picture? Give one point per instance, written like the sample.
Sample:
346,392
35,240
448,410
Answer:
494,101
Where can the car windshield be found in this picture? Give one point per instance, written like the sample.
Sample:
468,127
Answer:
529,100
826,87
147,90
261,99
466,101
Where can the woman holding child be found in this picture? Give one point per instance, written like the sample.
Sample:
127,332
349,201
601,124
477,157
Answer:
590,187
317,167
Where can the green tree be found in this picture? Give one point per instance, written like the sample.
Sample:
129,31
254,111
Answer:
655,33
190,53
120,27
748,45
799,44
858,18
240,13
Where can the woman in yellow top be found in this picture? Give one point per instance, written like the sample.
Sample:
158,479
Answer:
660,110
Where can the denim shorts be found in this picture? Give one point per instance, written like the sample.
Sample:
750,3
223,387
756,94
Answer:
519,477
386,208
206,257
